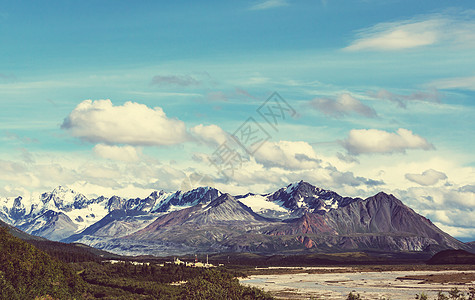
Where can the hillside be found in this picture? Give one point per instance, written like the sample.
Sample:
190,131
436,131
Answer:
452,257
20,234
26,272
74,252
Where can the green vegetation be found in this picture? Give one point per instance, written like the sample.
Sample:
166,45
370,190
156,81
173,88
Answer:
72,252
29,273
454,293
26,272
125,280
422,296
352,296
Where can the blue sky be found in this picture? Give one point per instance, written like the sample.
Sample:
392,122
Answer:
112,97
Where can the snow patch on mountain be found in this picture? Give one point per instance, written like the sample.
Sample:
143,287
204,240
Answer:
161,198
87,216
291,187
260,203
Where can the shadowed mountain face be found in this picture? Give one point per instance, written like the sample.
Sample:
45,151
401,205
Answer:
297,218
51,225
224,211
452,257
309,223
382,213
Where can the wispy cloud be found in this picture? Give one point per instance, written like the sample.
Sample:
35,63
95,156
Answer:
243,92
396,36
432,96
269,4
217,96
343,105
7,77
180,80
421,31
16,86
463,83
24,139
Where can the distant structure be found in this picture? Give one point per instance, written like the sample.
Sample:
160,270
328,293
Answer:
195,264
112,261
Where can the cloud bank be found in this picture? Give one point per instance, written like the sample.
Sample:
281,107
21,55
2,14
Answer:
288,155
121,153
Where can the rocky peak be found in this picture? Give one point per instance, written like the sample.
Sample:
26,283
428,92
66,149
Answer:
224,198
156,194
115,202
64,198
201,195
302,196
18,209
382,198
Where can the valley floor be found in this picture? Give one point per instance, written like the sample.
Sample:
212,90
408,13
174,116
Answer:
390,282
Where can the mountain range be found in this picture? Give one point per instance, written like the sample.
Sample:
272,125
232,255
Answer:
299,218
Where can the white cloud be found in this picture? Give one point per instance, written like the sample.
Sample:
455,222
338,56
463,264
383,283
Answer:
258,178
455,231
121,153
92,177
276,164
210,134
343,105
268,4
287,154
361,141
18,174
132,123
448,29
428,177
444,204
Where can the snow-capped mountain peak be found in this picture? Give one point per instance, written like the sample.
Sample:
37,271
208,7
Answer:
180,200
300,197
63,198
76,212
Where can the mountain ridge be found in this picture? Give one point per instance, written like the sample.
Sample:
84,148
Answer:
298,217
